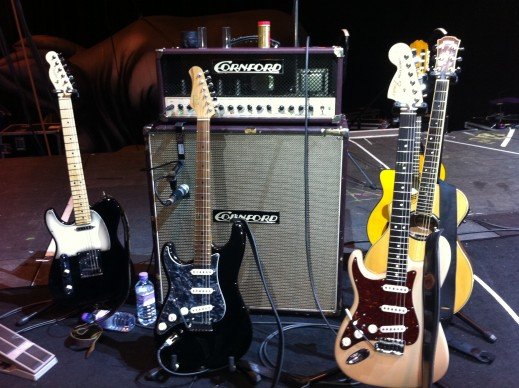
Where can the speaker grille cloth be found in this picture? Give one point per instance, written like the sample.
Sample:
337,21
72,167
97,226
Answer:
262,172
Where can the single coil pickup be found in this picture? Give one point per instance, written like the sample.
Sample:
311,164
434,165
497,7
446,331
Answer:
201,291
390,346
397,289
202,271
201,309
84,227
393,329
393,309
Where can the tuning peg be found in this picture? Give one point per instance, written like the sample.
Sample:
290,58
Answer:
459,59
461,48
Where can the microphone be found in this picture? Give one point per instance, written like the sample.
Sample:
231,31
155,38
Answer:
180,193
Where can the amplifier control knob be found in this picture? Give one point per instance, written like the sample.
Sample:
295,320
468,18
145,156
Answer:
230,108
291,108
180,106
221,107
240,107
189,107
301,108
310,108
249,108
259,108
281,108
269,108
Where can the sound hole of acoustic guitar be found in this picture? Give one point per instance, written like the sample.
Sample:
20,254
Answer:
422,226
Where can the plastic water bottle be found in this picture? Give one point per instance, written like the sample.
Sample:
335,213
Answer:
119,321
145,295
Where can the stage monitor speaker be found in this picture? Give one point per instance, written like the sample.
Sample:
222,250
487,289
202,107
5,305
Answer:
259,175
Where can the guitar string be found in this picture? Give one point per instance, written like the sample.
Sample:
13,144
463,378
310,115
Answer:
410,121
431,167
438,115
80,196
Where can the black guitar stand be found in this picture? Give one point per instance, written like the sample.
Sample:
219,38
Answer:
448,222
251,370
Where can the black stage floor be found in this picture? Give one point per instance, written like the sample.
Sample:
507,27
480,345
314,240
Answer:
481,164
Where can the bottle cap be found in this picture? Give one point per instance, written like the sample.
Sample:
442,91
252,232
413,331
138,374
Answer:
143,275
264,23
87,317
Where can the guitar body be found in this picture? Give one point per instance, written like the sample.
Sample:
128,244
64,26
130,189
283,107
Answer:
90,265
357,358
191,342
375,259
379,217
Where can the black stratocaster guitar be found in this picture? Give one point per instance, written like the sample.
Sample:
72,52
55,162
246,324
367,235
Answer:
90,267
203,321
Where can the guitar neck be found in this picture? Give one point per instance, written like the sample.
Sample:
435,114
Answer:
203,236
74,163
416,155
433,148
401,207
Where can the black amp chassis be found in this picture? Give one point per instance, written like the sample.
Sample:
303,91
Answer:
254,84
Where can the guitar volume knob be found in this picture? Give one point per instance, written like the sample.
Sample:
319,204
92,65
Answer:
372,328
346,341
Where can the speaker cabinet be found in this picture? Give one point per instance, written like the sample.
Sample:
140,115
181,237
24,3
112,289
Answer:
259,174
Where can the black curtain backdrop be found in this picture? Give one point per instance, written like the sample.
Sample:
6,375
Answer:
488,31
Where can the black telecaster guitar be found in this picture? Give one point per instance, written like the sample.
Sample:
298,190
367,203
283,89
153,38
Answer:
203,321
90,267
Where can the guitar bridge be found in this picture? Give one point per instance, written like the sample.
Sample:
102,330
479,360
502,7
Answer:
390,346
89,263
201,327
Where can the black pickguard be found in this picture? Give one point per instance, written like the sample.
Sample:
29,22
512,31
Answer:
107,290
188,344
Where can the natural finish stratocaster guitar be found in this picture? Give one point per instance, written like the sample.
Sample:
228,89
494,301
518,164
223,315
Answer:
379,216
380,341
427,205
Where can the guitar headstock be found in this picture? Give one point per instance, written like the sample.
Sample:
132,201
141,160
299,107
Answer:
446,56
405,87
422,55
59,76
201,99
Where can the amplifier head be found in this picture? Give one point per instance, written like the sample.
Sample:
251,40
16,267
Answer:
256,84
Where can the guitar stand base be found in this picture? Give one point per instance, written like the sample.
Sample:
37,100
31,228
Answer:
249,369
485,333
157,374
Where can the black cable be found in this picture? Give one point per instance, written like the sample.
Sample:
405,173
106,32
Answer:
18,309
307,193
281,343
48,322
493,225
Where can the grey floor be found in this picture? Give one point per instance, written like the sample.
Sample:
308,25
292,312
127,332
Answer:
477,162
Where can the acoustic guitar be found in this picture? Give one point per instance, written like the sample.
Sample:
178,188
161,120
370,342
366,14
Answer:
203,321
427,205
380,340
90,266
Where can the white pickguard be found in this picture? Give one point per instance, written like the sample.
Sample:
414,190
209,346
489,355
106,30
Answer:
70,240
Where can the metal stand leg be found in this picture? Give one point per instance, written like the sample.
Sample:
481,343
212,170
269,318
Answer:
370,182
